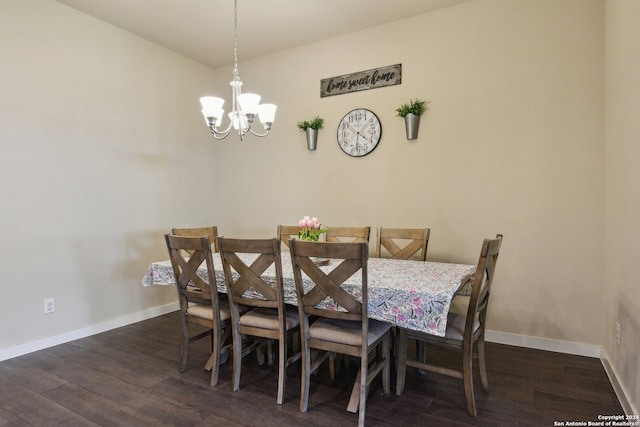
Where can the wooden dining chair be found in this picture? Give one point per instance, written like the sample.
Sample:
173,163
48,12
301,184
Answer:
402,243
244,261
347,331
210,232
198,298
463,331
286,232
348,234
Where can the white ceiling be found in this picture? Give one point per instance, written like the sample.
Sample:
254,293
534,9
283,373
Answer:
203,29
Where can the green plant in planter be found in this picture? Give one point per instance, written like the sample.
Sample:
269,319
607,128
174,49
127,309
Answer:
315,123
416,107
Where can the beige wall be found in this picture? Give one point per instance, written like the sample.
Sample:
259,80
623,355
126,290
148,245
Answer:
101,134
622,201
512,144
98,132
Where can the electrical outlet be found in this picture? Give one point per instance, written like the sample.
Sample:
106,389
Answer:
49,305
618,338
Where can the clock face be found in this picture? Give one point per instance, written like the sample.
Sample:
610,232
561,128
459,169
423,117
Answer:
359,132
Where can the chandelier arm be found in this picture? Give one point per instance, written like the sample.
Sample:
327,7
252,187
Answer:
215,129
220,134
266,132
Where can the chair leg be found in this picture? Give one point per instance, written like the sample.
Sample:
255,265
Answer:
237,359
386,370
184,345
364,373
467,376
401,361
482,364
215,353
282,368
305,376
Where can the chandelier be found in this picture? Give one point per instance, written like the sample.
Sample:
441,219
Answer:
244,106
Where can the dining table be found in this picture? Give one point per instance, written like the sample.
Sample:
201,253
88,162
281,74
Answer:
410,294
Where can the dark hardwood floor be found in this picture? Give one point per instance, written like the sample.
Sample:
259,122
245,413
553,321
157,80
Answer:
129,377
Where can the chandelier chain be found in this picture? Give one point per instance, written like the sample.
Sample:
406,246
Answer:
235,37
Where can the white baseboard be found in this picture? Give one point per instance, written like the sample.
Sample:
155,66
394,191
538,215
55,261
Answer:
19,350
625,402
491,336
558,346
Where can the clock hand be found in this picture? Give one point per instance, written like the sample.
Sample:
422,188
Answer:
364,137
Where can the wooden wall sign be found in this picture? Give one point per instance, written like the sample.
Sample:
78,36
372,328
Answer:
362,80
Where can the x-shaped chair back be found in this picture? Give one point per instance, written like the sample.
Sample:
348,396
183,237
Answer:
187,254
403,243
353,258
242,276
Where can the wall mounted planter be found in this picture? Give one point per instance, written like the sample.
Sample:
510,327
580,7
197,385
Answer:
411,112
411,124
312,138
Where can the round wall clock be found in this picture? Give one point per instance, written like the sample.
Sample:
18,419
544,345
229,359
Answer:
359,132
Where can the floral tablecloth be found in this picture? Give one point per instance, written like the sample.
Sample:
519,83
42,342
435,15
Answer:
410,294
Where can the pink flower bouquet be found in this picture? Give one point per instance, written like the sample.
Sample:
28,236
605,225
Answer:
311,229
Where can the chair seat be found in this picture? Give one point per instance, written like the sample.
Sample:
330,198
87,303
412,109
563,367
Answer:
205,311
347,331
267,318
455,326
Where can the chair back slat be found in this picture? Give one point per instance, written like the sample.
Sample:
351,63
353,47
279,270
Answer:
210,232
348,234
403,243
